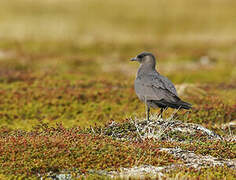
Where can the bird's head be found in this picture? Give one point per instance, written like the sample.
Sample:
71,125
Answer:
145,58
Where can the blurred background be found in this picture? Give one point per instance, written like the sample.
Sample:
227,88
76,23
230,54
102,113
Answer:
68,60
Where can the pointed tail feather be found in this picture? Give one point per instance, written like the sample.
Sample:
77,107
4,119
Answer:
180,105
184,105
177,105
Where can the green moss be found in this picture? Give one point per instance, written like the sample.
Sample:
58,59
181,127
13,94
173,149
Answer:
204,173
55,149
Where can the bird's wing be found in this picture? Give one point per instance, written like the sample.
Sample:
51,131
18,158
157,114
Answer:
164,94
168,84
153,88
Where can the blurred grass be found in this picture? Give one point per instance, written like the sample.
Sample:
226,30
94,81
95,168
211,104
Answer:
69,60
120,21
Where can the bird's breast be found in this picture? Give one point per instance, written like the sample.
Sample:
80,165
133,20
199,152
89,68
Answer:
143,90
138,87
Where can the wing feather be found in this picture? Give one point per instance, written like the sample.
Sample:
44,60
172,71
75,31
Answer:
152,87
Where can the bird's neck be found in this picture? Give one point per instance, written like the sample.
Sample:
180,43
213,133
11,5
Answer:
146,69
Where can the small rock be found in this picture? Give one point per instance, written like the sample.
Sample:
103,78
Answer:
189,89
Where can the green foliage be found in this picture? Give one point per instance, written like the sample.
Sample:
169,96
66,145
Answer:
205,173
54,149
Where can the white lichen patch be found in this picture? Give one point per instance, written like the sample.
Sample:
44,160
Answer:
198,161
157,128
138,172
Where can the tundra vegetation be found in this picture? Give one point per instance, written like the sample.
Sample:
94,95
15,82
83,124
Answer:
67,101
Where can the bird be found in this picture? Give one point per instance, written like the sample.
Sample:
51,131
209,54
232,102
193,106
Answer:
155,90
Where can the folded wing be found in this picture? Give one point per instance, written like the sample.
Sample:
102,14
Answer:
160,90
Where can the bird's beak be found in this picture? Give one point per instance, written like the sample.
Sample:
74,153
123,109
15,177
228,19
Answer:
134,59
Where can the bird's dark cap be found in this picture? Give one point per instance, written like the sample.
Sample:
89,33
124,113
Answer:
141,55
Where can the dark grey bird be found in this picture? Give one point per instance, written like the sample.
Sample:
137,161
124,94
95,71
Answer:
153,89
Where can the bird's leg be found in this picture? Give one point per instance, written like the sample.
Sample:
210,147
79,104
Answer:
148,111
161,112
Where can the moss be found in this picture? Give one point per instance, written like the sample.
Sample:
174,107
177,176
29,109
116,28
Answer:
54,149
204,173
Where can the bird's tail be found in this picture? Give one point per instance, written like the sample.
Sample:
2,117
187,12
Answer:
179,104
183,105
